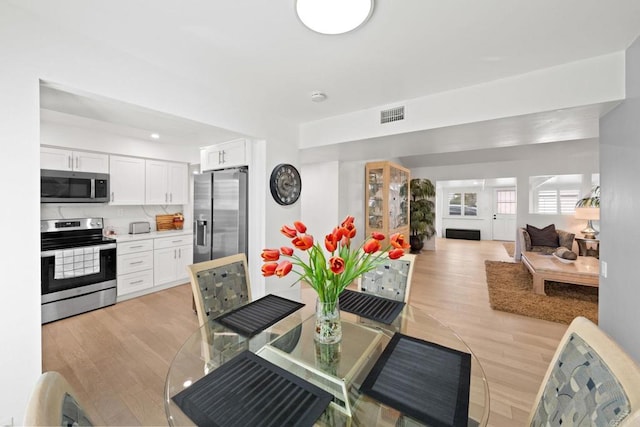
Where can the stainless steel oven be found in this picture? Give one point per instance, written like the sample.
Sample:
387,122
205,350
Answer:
78,267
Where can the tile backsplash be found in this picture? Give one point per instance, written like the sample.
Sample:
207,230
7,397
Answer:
115,217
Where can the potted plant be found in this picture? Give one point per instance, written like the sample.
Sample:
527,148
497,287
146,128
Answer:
422,213
592,200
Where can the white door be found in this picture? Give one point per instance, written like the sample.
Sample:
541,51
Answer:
504,214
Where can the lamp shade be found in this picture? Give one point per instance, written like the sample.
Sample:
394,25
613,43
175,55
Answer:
333,16
588,213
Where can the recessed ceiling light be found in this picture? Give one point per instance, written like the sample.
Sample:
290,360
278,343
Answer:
155,136
333,16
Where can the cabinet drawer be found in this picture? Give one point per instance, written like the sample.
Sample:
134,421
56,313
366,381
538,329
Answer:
169,242
139,261
136,246
133,282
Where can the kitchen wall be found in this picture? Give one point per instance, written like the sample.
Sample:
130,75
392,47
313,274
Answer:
83,137
116,218
39,50
56,134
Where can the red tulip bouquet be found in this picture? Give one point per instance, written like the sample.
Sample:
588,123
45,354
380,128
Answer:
329,274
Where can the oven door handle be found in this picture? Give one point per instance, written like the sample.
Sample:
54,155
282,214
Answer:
53,252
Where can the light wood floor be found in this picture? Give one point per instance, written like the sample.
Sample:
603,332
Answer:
117,358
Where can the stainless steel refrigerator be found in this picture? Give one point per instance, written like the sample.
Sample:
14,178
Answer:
220,213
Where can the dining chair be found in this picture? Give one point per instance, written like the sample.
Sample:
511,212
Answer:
390,279
53,402
219,286
590,381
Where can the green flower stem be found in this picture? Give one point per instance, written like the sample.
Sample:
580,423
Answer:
327,284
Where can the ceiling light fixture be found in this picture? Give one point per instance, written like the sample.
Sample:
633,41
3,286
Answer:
155,136
333,16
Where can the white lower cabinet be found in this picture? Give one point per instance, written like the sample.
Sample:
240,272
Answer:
151,263
134,282
171,256
135,266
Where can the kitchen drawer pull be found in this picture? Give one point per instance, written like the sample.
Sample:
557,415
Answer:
137,262
176,241
136,247
135,282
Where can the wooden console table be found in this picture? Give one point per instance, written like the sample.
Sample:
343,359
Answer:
584,271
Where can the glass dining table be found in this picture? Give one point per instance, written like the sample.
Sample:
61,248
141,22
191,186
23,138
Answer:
339,369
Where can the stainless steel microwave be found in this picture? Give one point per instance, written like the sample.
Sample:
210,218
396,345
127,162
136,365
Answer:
73,187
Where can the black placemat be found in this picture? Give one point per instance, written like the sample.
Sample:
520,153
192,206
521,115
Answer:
258,315
373,307
251,391
424,380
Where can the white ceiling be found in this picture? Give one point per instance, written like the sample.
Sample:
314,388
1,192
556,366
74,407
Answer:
257,54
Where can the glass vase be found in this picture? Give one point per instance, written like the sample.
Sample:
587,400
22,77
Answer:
328,357
328,325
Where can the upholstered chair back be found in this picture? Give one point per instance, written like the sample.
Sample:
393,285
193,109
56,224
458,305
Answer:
219,286
391,279
590,381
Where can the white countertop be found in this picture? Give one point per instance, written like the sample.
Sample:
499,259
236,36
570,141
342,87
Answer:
152,235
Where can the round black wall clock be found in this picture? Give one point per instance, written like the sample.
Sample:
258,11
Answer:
285,184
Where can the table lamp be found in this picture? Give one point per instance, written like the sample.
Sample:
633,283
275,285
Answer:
590,214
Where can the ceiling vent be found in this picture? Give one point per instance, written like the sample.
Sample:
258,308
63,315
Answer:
392,115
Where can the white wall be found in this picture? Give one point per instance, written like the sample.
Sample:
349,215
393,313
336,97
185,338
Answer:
619,207
480,222
579,83
32,50
61,135
351,196
572,157
320,206
20,358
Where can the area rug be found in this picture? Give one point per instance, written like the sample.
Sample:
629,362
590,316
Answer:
510,289
510,247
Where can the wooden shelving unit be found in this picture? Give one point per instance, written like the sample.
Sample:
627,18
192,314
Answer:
386,199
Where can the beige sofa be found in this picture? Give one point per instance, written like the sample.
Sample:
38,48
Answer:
524,243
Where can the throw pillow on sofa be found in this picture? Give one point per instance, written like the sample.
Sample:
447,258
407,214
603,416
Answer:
546,236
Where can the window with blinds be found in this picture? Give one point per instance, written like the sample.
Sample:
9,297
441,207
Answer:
557,201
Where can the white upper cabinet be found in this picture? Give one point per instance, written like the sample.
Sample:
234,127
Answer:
225,155
178,183
127,178
68,160
166,183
